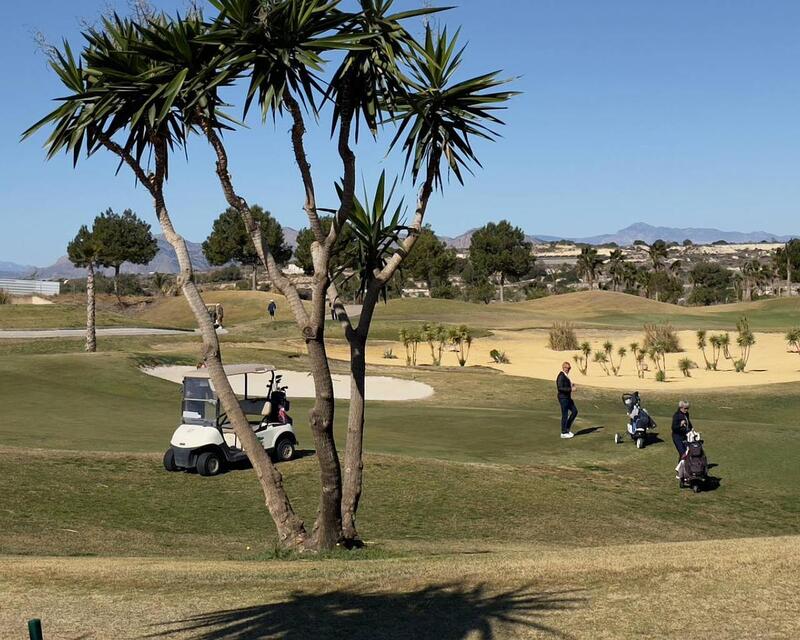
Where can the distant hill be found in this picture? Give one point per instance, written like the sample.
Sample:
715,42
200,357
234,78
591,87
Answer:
14,270
165,261
698,235
642,231
465,239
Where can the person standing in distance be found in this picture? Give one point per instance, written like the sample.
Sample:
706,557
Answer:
568,409
271,309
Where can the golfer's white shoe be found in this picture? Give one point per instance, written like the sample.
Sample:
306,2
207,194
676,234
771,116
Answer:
568,434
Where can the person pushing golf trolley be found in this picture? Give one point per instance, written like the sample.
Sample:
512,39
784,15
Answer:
692,469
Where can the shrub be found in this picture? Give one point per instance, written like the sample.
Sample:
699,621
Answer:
461,338
243,285
388,354
793,338
602,359
661,376
4,297
686,365
499,357
562,337
745,340
582,360
662,335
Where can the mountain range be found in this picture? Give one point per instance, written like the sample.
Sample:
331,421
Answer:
645,232
166,261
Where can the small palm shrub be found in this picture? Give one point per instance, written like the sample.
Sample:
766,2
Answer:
461,338
601,358
793,338
745,340
499,357
582,359
388,354
4,297
663,335
661,376
562,337
702,343
686,365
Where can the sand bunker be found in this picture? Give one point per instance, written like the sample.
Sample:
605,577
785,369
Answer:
770,361
302,386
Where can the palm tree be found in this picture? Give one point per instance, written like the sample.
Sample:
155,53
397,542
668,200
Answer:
122,101
702,343
84,251
588,266
616,268
657,252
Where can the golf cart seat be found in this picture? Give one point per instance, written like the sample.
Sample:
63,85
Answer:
256,407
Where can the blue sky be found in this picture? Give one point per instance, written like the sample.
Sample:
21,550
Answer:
680,113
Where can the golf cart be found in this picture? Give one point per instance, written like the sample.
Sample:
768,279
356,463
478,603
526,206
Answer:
205,440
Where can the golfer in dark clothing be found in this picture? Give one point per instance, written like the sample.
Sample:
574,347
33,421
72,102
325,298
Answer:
681,425
568,409
271,309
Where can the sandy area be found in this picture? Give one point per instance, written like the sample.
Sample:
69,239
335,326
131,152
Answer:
770,361
302,386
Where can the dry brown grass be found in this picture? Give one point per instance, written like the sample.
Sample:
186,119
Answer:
743,588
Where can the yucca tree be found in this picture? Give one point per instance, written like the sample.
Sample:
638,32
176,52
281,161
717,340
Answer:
437,118
793,338
126,102
276,47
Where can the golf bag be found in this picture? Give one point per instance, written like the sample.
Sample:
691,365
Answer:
693,468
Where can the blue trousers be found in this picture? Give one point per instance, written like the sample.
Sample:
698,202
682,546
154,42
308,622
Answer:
568,413
680,445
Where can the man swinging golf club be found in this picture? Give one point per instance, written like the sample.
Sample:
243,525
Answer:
568,409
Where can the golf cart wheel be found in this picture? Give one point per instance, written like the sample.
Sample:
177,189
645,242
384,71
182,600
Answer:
640,443
169,460
617,438
284,450
696,488
209,463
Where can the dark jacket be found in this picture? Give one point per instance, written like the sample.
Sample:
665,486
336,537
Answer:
681,423
564,386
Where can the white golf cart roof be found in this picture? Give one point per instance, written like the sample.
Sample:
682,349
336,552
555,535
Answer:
233,370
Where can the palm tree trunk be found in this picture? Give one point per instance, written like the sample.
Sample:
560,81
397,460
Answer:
353,475
328,526
290,528
353,459
502,287
254,278
91,334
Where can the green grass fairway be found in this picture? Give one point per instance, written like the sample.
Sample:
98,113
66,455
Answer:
482,471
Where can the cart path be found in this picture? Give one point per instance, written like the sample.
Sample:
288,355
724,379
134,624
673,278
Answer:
78,333
24,334
301,385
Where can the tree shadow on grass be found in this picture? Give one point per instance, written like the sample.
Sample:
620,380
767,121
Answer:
438,612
